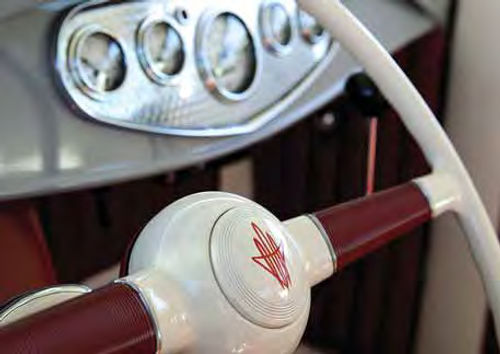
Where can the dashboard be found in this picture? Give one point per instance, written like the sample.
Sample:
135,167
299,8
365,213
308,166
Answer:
94,93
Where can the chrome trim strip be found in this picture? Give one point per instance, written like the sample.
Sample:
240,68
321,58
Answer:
321,229
44,292
150,312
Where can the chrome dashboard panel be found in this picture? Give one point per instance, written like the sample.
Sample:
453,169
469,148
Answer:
46,148
187,105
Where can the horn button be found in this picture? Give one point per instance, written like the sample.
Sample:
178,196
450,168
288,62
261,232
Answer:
258,268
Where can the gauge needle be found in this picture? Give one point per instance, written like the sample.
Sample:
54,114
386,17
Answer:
99,75
101,80
230,62
166,54
226,45
90,65
226,70
232,49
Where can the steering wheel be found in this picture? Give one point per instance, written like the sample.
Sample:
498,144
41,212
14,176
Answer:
217,273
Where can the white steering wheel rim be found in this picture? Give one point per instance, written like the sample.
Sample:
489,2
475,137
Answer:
450,187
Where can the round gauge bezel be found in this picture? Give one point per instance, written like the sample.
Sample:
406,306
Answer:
204,66
268,39
145,59
307,35
75,66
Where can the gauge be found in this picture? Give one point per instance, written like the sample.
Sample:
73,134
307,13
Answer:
276,27
97,62
310,28
227,56
160,50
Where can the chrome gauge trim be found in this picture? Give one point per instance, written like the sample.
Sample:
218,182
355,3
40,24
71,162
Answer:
142,53
310,37
268,40
75,65
204,65
182,105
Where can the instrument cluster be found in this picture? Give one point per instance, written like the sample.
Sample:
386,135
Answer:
189,67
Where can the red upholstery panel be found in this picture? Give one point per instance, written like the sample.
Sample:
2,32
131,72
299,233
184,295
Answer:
25,263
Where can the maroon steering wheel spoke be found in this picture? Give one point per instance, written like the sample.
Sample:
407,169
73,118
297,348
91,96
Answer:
361,226
109,320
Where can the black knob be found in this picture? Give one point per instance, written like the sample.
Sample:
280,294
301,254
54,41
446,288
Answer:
365,95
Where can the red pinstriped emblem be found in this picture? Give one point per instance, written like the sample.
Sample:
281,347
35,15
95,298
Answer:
272,256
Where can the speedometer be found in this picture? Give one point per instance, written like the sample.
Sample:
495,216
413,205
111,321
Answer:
227,56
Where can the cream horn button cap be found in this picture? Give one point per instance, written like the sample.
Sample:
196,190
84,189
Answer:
257,267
